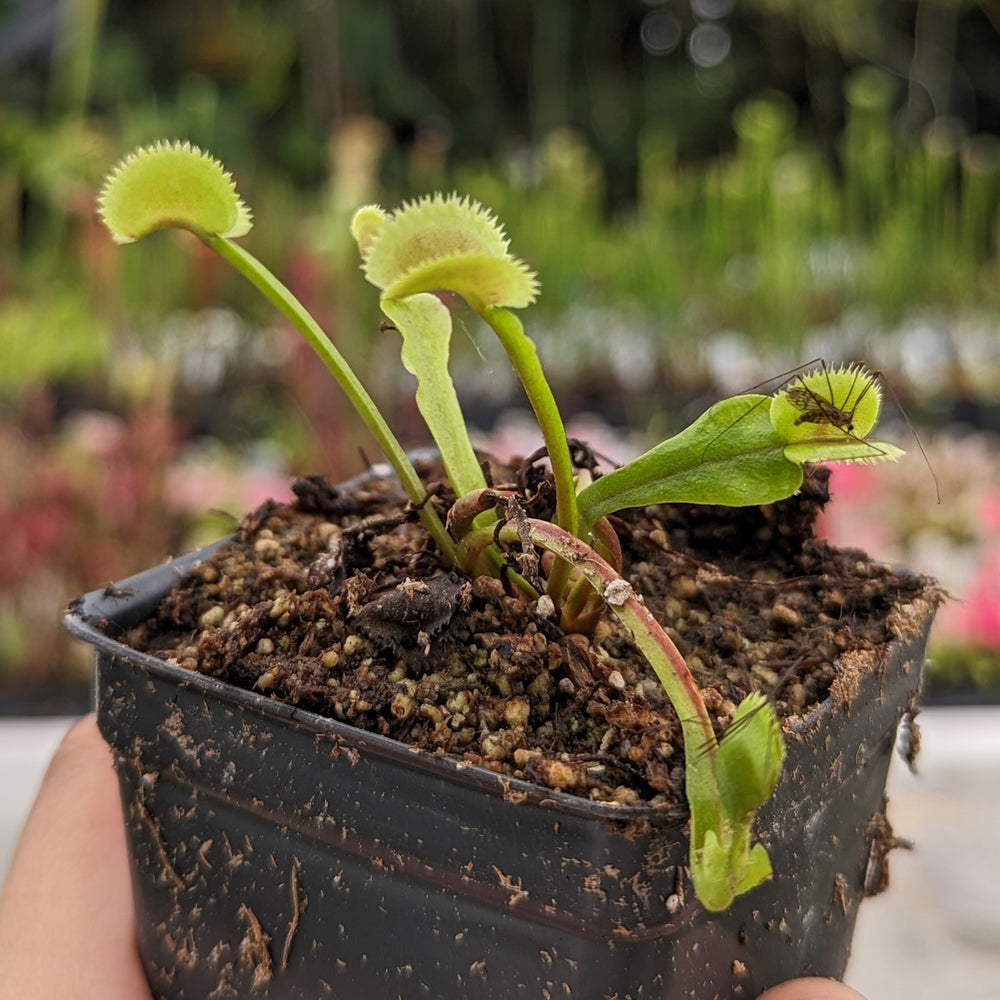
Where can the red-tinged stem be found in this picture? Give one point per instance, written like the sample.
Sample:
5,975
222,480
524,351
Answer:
664,657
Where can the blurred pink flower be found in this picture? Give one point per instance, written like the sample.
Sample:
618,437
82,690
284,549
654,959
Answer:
974,617
855,519
989,513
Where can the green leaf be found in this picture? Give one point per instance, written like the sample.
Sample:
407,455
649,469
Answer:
455,244
720,872
751,752
826,415
425,325
171,185
730,455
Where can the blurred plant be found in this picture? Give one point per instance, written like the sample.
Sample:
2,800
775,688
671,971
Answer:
49,340
104,496
92,504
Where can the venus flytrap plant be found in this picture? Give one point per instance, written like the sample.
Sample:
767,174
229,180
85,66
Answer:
748,449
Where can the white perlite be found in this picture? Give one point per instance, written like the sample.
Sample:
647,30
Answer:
618,592
545,607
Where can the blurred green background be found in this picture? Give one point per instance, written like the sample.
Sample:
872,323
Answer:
713,191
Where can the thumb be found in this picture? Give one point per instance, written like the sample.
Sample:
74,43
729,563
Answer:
812,988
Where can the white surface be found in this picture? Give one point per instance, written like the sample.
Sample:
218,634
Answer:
935,934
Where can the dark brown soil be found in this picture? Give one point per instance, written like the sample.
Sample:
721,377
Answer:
339,604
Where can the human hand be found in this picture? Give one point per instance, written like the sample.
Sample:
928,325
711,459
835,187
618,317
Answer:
66,920
811,989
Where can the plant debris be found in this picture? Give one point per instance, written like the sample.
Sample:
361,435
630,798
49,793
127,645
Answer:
338,603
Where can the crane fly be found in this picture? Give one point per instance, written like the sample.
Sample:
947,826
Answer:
819,409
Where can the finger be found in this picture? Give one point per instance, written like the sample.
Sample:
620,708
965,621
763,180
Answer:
811,989
66,918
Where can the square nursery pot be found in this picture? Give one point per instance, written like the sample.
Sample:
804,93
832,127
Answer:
276,853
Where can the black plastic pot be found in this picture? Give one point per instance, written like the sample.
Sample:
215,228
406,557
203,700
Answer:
276,853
